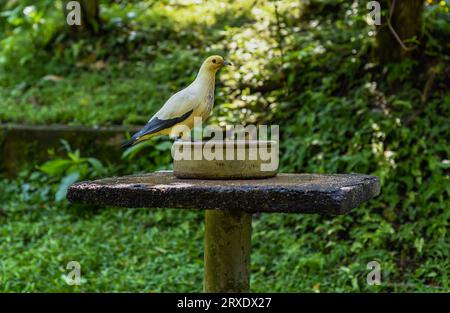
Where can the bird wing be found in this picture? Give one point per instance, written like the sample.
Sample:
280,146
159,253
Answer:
177,109
177,105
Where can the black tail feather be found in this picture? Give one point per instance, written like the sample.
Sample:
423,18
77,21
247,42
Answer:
127,144
153,126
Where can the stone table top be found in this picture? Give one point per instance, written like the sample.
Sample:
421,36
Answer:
289,193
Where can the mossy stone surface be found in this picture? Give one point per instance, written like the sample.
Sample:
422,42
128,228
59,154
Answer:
289,193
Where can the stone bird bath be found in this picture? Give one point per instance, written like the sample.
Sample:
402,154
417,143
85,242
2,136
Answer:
228,206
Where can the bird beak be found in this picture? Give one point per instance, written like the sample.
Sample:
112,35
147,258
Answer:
227,63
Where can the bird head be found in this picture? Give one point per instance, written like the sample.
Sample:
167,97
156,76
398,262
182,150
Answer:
214,63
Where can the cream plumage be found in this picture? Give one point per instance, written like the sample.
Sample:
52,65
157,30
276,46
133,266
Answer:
196,100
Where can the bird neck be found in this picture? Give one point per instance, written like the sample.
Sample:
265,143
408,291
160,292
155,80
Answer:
206,78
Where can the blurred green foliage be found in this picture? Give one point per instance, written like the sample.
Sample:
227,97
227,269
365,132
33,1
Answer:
70,170
309,67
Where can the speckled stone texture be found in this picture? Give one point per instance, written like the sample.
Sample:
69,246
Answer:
289,193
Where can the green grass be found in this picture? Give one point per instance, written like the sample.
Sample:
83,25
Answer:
118,249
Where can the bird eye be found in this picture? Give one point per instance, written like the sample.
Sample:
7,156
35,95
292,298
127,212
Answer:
214,60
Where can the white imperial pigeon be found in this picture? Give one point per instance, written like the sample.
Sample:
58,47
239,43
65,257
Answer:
196,100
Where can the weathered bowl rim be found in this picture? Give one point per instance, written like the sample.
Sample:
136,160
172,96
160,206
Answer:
225,168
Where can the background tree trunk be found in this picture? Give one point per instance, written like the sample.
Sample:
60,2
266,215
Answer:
90,17
406,21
